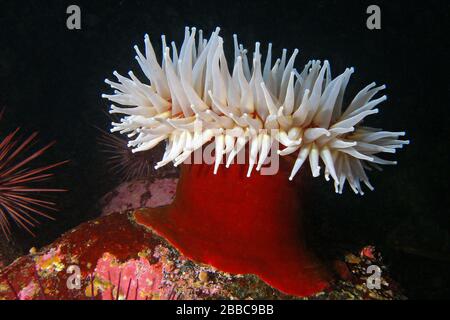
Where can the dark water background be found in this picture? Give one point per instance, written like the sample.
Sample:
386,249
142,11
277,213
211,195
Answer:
51,79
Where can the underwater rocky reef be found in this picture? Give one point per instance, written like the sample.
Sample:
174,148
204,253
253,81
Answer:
304,159
120,260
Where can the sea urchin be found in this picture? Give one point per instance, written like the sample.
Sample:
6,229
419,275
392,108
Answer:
20,189
121,161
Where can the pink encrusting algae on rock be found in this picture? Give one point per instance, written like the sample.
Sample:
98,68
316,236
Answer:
134,279
29,292
139,193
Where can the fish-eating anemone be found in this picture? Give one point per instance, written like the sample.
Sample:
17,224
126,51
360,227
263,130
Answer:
229,218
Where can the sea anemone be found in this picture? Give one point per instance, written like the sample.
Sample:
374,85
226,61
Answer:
22,195
193,98
235,221
121,161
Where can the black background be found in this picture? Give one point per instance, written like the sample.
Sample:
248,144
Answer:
51,79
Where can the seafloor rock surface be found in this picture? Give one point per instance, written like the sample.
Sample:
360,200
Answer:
139,193
117,259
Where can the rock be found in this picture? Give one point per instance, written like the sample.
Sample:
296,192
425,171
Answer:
117,259
113,258
139,193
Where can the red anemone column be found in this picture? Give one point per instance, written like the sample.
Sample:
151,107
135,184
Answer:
241,225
